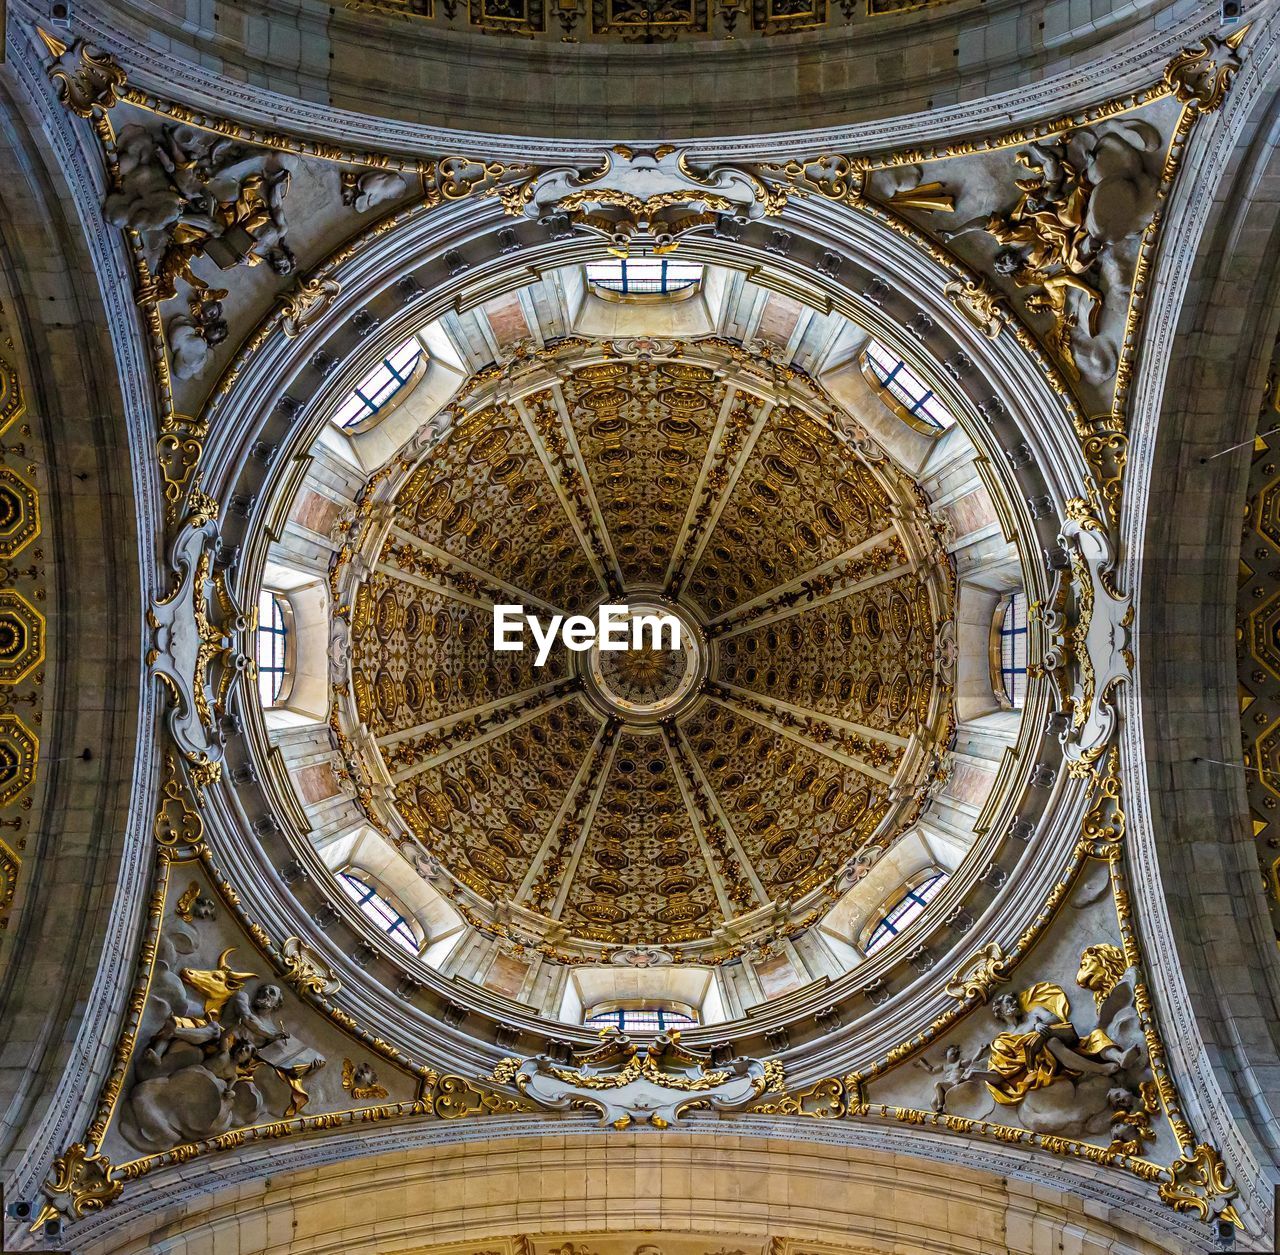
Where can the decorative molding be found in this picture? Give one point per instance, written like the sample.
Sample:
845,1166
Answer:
632,1084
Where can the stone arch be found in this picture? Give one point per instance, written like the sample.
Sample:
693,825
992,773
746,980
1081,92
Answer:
594,1187
1199,394
79,895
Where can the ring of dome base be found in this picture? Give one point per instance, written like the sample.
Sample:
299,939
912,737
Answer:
646,685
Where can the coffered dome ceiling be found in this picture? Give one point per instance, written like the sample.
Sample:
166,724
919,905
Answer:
689,797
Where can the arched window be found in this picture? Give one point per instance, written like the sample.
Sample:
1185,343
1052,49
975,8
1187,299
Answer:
644,276
648,1018
901,911
382,383
1009,651
274,644
904,392
379,906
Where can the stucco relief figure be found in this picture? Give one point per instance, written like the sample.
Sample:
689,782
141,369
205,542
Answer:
1060,1079
1084,192
1041,1045
191,340
194,197
954,1071
210,196
365,191
199,1073
361,1081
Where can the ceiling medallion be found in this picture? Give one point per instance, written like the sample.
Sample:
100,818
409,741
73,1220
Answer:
643,685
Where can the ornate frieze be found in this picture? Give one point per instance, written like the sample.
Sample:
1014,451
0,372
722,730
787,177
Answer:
628,21
627,1083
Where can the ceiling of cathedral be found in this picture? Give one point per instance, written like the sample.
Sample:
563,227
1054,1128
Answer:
654,796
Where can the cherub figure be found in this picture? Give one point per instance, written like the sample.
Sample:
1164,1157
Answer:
1131,1118
954,1070
361,1081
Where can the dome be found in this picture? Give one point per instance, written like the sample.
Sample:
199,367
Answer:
692,797
644,615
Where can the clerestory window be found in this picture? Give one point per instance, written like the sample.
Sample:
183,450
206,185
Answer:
378,905
905,392
902,910
644,276
381,385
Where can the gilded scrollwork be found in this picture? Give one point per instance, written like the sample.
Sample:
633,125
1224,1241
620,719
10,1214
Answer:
457,1098
81,1181
306,303
976,979
194,643
1200,1184
627,1084
1104,822
305,970
177,821
823,1100
660,194
985,308
1201,76
1086,637
87,82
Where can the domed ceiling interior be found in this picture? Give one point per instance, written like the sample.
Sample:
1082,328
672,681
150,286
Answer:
656,797
901,851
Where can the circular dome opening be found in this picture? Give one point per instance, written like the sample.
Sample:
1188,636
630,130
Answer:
718,807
